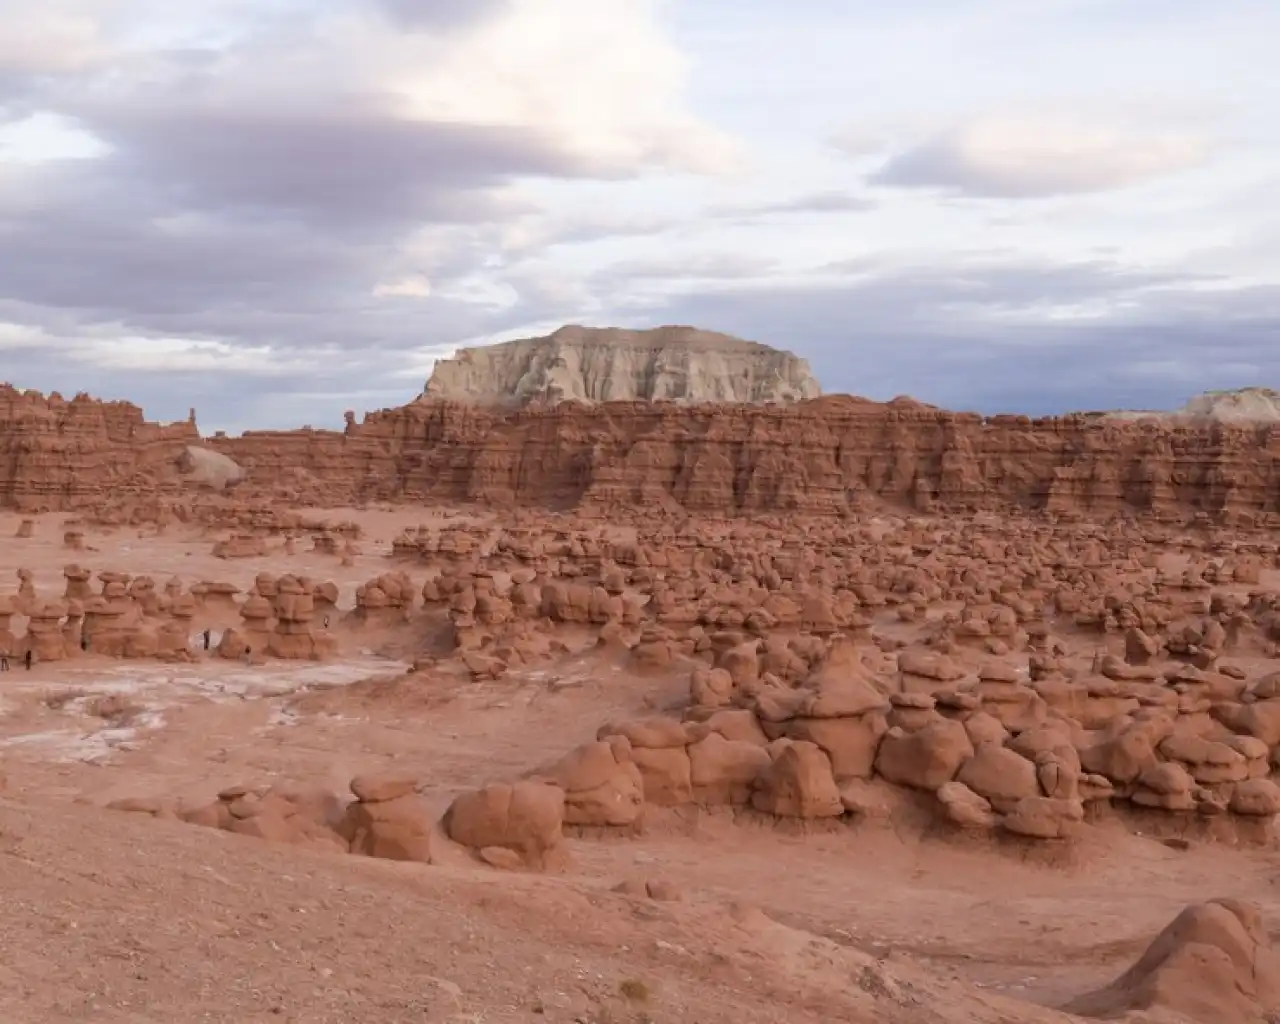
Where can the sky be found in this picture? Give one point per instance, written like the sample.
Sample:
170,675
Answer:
277,210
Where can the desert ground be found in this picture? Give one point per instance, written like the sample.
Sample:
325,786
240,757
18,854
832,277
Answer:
898,900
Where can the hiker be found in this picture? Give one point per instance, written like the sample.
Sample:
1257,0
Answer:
4,662
27,659
248,655
326,622
206,639
84,642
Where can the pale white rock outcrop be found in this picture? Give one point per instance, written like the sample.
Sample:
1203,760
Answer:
585,364
1242,406
209,468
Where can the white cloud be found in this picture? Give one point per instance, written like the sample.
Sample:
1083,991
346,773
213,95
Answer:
42,137
50,37
278,213
1026,155
413,287
110,350
599,75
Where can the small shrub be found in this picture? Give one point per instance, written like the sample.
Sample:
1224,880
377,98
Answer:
634,990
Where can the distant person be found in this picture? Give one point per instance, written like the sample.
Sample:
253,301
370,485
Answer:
326,622
248,655
27,659
84,642
4,662
207,638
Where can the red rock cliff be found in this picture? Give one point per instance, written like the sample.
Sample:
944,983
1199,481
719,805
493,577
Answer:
57,454
818,457
821,457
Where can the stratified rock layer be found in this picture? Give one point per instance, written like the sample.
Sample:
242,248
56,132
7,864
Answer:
675,364
823,457
57,454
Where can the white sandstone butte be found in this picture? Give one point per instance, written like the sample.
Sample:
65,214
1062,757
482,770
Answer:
587,364
1242,406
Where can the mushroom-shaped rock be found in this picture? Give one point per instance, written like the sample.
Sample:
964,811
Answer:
1040,817
851,743
966,808
798,784
1212,964
724,771
999,775
710,687
524,817
658,751
925,759
1255,798
601,783
394,828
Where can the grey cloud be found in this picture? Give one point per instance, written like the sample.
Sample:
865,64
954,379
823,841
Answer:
258,222
941,164
106,250
833,201
356,164
580,231
440,14
997,286
973,339
951,165
576,232
858,143
708,266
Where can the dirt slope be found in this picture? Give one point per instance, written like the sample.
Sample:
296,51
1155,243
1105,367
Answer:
113,918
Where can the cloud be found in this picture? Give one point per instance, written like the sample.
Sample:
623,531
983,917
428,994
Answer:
540,233
598,76
436,15
251,204
53,37
417,287
1002,337
858,142
283,193
337,164
706,266
1030,157
828,201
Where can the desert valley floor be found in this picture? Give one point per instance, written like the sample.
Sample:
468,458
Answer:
837,880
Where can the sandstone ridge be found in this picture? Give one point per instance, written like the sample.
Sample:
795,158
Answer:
826,457
674,363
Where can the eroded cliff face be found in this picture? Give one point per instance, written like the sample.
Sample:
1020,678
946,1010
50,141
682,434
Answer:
822,457
57,454
673,364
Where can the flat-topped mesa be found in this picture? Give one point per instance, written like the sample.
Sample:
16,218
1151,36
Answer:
585,364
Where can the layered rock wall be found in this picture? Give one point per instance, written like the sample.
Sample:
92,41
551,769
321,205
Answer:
57,454
821,457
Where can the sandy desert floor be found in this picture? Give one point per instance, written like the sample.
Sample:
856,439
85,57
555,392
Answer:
109,916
